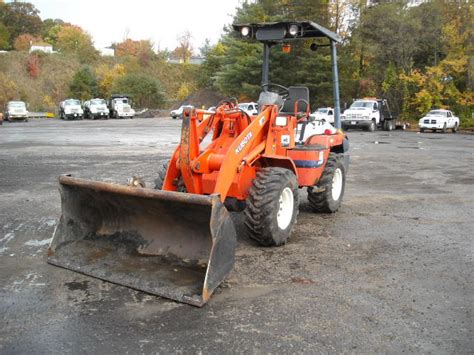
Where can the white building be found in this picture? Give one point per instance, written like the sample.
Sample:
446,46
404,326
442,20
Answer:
107,52
42,47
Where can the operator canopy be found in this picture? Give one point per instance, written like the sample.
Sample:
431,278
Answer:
284,31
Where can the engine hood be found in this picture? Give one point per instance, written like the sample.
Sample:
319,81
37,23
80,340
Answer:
98,107
17,110
357,111
434,117
73,107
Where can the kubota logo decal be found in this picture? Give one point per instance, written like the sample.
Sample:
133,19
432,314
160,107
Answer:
244,142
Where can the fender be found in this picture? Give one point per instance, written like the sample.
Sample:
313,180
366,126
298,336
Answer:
278,161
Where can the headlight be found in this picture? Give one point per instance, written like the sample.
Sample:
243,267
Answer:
365,117
293,30
245,31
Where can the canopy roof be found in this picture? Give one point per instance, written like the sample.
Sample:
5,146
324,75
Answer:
279,31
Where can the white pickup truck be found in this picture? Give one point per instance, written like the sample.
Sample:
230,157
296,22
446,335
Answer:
323,114
441,120
251,108
16,110
70,108
178,113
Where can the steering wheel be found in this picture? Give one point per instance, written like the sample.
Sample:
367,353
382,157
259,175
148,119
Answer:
281,90
231,102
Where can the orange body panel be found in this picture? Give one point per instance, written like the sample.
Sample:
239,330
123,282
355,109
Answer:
309,164
240,147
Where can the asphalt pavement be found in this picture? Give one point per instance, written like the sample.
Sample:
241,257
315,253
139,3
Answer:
391,272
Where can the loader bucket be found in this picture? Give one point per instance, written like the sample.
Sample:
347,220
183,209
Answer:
176,245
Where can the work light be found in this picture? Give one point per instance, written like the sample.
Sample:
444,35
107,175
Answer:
245,31
293,30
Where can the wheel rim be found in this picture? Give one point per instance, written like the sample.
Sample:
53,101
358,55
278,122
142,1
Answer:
336,184
285,208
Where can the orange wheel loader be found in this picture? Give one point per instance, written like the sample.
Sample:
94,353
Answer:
178,240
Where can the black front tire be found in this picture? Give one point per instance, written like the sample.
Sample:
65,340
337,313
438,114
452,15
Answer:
455,128
161,174
445,128
324,201
372,126
264,206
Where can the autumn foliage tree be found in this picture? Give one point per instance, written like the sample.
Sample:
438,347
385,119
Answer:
73,39
24,41
33,66
142,50
107,76
20,17
8,89
184,50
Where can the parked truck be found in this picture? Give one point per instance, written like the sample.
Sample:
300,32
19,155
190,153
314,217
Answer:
16,111
370,114
71,109
120,106
95,109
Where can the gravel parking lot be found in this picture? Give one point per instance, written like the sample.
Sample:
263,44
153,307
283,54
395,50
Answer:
391,272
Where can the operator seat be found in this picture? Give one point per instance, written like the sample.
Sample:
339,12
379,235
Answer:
296,93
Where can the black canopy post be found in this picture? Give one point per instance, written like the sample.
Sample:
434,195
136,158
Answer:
335,86
266,62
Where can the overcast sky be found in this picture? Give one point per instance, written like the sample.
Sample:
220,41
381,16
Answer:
160,21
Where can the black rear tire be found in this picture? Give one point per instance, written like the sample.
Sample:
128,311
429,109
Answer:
324,200
267,215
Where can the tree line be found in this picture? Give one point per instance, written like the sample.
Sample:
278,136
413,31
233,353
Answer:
417,54
77,69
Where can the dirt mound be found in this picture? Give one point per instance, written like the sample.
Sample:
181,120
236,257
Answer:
150,113
204,97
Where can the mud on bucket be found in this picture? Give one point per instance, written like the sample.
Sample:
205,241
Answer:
176,245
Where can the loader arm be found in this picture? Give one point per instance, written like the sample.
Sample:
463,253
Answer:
250,139
192,133
189,150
